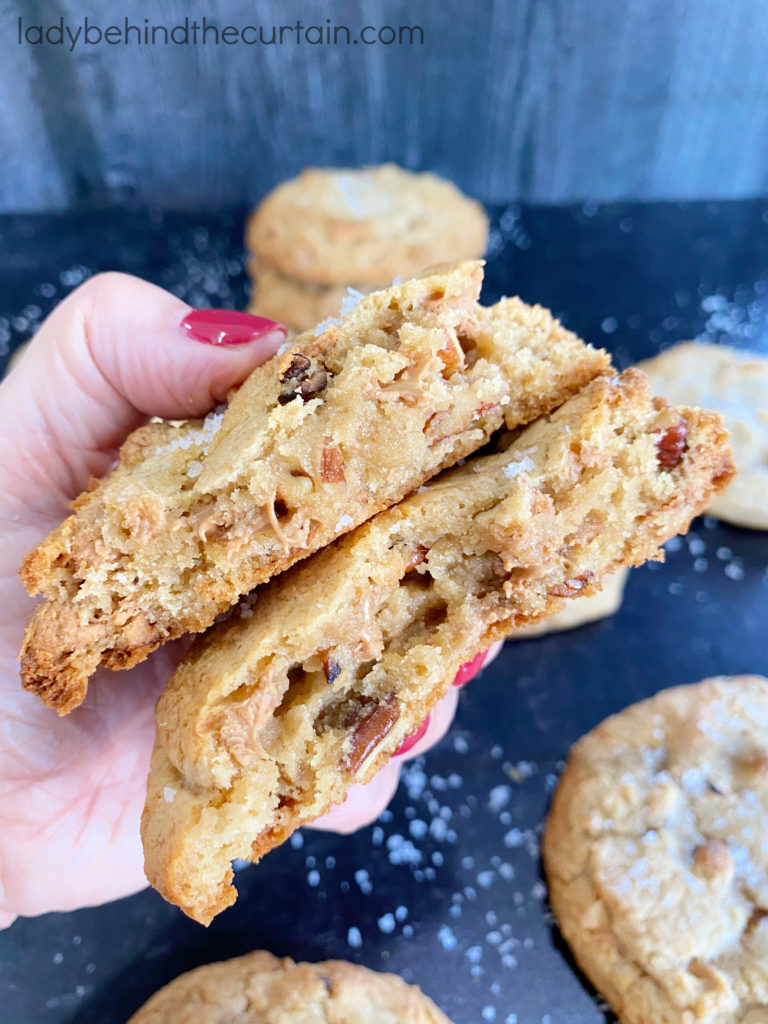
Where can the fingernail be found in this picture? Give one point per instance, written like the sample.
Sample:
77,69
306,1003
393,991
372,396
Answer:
227,326
410,741
470,669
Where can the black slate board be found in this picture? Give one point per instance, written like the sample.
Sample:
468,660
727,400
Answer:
446,888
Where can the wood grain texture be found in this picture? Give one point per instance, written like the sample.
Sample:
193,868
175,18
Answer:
538,100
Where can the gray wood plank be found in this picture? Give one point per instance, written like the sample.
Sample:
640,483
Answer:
535,100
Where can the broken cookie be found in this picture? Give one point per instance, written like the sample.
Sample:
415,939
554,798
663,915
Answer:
339,426
269,719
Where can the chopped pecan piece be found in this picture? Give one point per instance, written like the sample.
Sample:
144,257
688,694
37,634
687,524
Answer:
331,463
370,731
331,668
418,555
298,369
314,385
485,407
301,382
572,586
672,443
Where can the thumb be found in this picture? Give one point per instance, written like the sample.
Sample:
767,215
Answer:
112,354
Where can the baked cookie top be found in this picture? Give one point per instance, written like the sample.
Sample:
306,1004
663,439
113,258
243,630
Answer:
736,384
274,713
262,989
338,226
656,851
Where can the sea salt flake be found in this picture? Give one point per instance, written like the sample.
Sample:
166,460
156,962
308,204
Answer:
325,324
513,469
168,794
350,300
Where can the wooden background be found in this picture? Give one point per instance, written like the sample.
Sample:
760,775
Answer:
537,100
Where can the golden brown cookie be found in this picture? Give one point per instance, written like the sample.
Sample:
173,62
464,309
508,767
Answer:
319,679
656,851
334,428
581,610
261,989
735,383
337,226
297,304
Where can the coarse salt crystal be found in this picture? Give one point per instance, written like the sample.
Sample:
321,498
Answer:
350,300
325,324
514,469
168,794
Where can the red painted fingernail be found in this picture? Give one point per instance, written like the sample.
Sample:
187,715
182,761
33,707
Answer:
468,671
227,326
410,741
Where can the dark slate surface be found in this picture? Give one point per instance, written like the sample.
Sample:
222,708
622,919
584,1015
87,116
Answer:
446,888
546,102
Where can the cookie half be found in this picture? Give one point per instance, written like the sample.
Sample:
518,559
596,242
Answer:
275,713
656,851
333,226
330,431
736,384
261,989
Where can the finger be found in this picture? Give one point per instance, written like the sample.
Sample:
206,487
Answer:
440,719
478,663
363,804
112,354
492,653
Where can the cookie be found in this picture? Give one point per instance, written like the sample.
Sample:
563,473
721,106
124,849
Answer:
656,851
335,226
276,712
262,989
196,515
736,384
298,305
581,610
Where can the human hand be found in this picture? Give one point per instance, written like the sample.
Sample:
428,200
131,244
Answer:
72,789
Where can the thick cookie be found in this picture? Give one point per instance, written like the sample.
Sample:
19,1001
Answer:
275,713
335,226
317,440
581,610
261,989
656,850
736,384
